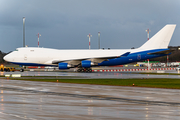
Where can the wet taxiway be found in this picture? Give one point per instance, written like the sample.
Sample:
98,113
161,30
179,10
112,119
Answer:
123,75
55,101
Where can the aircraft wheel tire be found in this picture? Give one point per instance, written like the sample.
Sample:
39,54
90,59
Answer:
82,70
21,70
89,70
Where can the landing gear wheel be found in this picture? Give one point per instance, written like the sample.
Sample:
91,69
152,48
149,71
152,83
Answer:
84,70
88,70
21,70
80,70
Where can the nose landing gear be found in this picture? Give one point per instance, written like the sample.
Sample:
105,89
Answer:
21,70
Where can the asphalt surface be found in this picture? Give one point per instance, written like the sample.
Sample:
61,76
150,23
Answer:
29,100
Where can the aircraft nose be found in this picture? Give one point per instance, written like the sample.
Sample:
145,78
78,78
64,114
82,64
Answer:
6,58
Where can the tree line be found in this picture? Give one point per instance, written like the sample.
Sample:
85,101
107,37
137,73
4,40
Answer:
2,54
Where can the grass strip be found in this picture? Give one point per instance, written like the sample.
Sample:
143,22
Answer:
152,82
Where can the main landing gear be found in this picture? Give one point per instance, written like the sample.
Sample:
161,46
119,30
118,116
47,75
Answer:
84,70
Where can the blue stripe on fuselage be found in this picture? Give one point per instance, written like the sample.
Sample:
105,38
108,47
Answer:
133,57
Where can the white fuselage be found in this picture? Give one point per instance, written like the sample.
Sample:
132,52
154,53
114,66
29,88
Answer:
46,55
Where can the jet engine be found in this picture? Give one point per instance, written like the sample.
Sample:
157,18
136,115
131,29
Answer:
64,66
87,63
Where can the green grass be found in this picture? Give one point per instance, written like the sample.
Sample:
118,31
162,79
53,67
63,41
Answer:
154,83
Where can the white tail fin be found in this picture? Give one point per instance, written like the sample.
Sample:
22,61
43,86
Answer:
160,39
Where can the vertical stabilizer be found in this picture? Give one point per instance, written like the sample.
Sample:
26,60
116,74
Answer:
160,39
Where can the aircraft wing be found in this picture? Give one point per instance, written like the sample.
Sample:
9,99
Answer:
95,60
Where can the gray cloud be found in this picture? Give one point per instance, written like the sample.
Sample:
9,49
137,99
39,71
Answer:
65,24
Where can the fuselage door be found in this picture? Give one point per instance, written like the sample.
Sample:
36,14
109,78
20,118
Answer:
25,57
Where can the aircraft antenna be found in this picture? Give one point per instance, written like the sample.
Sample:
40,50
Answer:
148,30
89,40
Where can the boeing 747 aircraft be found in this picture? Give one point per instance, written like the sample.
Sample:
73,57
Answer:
157,46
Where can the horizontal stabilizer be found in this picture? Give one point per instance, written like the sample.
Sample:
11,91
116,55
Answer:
166,52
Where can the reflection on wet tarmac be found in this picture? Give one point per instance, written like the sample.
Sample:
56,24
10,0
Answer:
2,105
95,97
45,101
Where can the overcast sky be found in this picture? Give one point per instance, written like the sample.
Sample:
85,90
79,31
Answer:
65,24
